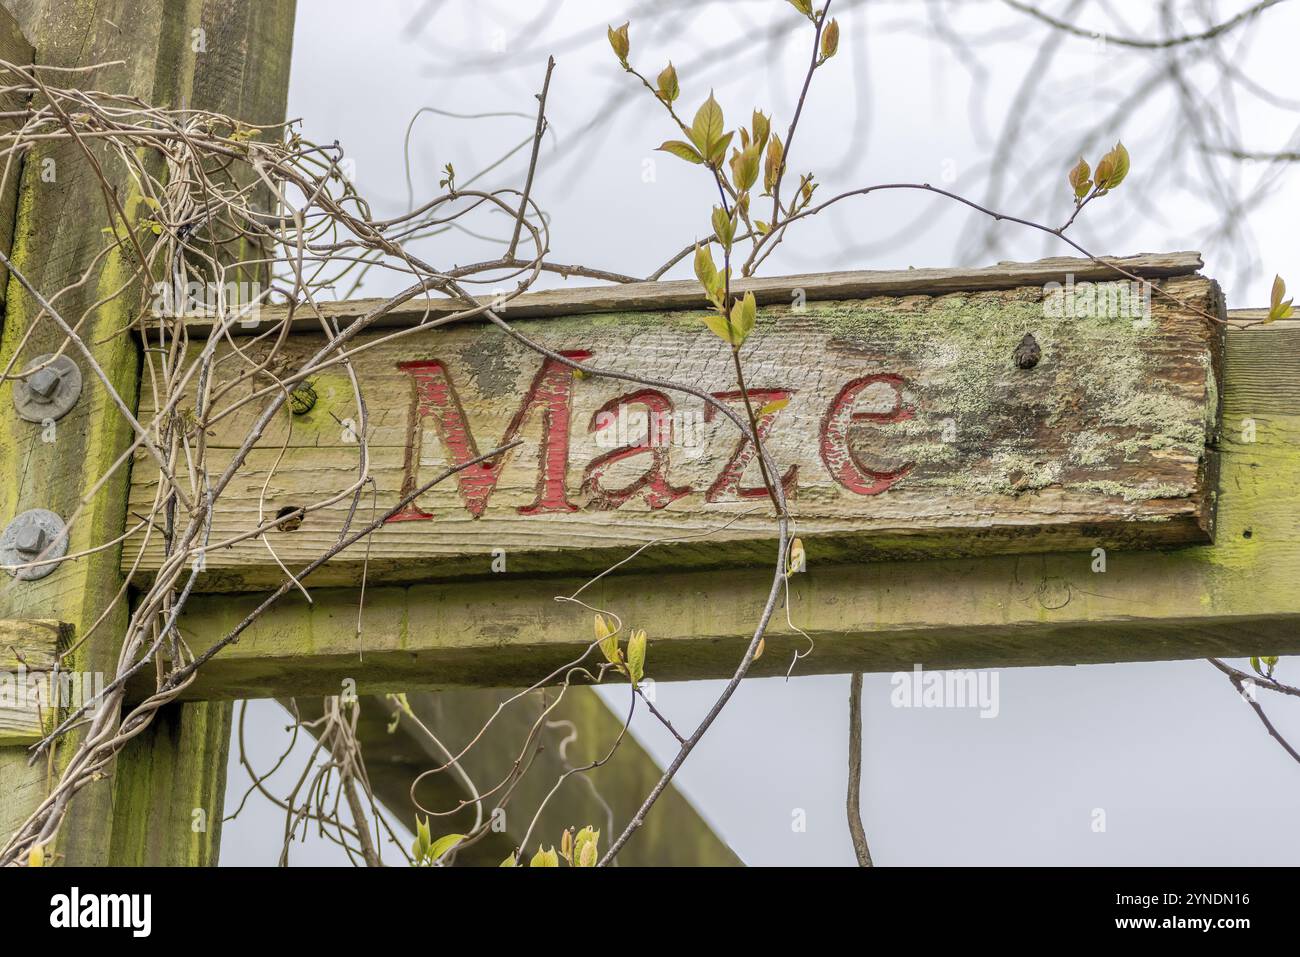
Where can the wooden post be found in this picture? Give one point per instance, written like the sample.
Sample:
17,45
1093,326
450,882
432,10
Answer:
227,55
19,786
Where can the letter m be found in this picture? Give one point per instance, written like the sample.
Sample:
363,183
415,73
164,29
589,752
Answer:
434,399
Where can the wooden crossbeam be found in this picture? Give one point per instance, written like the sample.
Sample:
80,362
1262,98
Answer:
677,294
30,701
580,730
1007,410
1236,596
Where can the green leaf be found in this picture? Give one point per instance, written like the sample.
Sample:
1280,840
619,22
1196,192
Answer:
444,844
586,847
423,838
545,858
718,151
803,6
682,150
1112,168
743,314
1079,178
797,559
1121,166
608,639
707,273
1278,308
724,227
775,159
509,861
719,290
602,627
668,88
761,125
706,128
776,405
744,167
636,656
830,40
720,327
618,39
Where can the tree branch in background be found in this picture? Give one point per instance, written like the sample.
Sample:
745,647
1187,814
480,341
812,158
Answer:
854,802
1239,681
1163,43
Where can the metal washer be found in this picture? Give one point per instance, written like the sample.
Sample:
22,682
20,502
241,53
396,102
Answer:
56,547
32,408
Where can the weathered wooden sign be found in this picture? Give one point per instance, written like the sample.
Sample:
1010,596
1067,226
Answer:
1020,408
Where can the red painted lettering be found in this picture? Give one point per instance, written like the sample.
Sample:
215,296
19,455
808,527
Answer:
653,484
728,482
840,460
434,397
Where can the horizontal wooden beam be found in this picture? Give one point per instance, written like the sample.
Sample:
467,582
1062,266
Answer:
1237,596
966,421
685,294
29,652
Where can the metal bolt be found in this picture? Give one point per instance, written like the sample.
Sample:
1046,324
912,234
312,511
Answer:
30,540
50,391
36,535
42,385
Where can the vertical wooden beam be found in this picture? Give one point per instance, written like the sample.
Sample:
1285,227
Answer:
227,55
180,766
582,729
171,789
20,786
14,48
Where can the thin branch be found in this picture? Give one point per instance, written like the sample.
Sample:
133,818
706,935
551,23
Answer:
1163,43
854,798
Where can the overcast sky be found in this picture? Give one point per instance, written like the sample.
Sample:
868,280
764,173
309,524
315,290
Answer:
1178,763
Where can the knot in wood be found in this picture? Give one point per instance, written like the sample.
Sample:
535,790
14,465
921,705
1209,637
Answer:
1028,352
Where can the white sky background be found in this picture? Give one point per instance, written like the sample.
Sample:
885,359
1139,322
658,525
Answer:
1182,768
